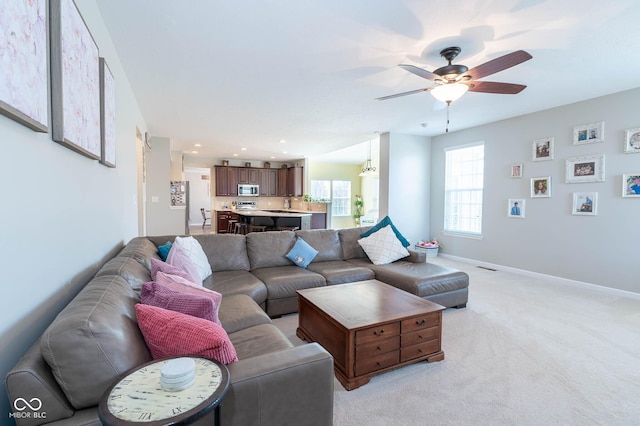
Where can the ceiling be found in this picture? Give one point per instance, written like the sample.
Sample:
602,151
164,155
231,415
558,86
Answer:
254,73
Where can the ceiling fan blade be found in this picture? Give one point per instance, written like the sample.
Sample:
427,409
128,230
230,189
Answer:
495,65
419,72
402,94
498,88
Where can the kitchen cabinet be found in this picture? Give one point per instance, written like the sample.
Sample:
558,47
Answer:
268,182
226,181
248,175
318,220
222,220
282,182
294,182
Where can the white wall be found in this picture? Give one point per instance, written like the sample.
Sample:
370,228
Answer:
199,194
598,249
62,215
405,183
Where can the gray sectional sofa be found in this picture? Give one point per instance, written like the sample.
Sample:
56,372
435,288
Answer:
95,339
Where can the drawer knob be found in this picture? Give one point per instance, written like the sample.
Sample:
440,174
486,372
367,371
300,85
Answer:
420,322
376,332
378,364
419,351
420,336
379,348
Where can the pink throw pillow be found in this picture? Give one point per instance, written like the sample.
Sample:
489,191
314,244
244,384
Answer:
160,266
182,285
178,257
170,333
156,294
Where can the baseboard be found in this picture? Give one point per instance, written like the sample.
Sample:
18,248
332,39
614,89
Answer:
534,274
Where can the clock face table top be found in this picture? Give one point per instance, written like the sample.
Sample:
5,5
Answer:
139,398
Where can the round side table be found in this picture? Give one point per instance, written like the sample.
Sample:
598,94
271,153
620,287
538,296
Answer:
139,399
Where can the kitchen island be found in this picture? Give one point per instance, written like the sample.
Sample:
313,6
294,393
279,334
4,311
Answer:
273,219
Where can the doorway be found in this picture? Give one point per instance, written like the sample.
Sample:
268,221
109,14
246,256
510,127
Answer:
199,194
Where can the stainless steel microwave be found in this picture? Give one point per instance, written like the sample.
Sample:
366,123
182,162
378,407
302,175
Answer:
246,190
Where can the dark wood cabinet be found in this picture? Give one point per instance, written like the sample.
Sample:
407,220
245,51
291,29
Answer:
226,181
222,220
268,182
248,175
282,182
294,182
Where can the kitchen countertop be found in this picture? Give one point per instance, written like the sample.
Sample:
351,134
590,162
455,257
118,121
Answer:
272,213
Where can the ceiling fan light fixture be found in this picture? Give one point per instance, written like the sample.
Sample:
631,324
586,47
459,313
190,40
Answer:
449,92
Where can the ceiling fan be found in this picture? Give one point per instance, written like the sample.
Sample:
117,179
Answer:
453,81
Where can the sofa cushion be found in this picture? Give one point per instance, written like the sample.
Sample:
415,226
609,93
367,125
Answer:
284,281
181,285
160,266
340,272
134,272
301,254
239,312
326,241
259,340
383,246
191,248
94,340
156,294
349,241
142,250
268,249
229,283
170,333
226,252
386,221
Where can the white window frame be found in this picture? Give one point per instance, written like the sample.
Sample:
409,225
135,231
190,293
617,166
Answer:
467,186
332,196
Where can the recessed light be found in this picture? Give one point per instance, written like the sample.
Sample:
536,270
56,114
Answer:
235,155
284,152
198,145
283,141
194,152
272,157
243,149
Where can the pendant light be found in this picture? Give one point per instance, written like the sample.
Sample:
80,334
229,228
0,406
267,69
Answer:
368,169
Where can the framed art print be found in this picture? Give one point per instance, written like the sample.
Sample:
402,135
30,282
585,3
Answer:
107,115
515,208
588,133
585,169
75,90
631,185
23,63
516,171
542,149
585,203
632,141
541,187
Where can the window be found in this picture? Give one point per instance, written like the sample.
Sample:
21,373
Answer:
338,191
464,176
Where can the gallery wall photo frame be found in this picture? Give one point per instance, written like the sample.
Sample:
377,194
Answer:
588,133
542,149
585,169
631,185
516,171
632,141
24,95
75,88
541,187
585,204
516,208
107,115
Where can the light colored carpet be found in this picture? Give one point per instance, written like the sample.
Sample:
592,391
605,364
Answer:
526,351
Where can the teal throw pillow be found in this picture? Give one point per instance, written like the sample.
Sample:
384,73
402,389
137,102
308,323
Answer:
164,249
384,222
302,253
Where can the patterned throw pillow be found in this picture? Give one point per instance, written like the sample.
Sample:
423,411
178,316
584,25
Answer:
387,222
168,333
161,296
181,285
383,247
196,254
301,253
180,259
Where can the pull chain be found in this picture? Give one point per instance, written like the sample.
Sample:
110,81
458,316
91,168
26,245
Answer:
448,105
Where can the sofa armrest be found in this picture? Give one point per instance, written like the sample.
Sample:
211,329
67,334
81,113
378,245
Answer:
415,257
293,386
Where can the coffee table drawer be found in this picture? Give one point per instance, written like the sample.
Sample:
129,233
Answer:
420,336
377,333
423,321
416,351
377,363
368,350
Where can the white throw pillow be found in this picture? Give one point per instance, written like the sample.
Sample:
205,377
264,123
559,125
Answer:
383,246
194,250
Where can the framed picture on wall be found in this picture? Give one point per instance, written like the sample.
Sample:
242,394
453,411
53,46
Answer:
75,90
631,185
515,208
632,141
585,203
23,65
516,171
541,187
585,169
542,149
588,133
107,115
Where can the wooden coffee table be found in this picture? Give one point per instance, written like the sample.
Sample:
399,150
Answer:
370,327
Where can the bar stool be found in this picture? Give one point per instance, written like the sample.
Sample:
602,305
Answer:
240,228
257,228
231,226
